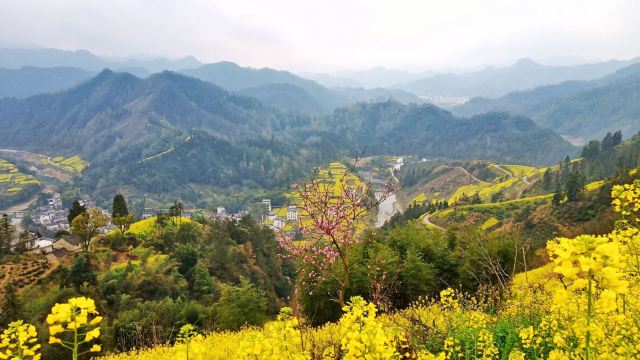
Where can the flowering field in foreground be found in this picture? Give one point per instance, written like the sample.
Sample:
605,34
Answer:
581,305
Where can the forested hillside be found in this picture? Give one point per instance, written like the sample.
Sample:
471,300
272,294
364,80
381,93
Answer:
28,81
288,91
428,131
586,110
118,109
171,134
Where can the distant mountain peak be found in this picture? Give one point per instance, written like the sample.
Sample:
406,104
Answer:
526,62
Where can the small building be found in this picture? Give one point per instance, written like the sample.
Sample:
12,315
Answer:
292,213
42,246
278,224
57,254
68,243
267,204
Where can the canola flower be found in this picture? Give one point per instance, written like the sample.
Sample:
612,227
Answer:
363,335
18,342
72,319
582,305
187,333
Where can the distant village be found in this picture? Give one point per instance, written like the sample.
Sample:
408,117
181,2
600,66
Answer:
53,217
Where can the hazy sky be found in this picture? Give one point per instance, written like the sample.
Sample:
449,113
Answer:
333,34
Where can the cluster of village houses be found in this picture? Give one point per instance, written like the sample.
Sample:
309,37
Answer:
270,218
53,216
276,222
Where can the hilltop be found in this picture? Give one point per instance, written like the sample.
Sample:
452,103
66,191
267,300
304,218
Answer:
288,91
428,131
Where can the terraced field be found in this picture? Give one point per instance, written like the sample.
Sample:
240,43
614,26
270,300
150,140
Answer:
22,273
71,164
331,178
14,185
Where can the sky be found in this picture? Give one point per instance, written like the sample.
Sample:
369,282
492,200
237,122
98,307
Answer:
333,35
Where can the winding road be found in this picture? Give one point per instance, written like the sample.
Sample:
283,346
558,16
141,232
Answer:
509,174
427,221
463,170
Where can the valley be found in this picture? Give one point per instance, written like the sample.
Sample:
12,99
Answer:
170,208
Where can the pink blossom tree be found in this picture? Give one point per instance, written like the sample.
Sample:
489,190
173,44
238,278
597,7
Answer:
331,215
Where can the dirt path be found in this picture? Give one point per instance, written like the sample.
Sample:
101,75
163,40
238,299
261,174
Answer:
394,176
465,171
427,221
508,173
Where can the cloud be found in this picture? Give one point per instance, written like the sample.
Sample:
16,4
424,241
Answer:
332,34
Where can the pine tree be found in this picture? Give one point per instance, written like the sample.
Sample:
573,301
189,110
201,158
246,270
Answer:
617,138
547,179
120,215
575,186
11,308
556,200
119,207
591,150
7,231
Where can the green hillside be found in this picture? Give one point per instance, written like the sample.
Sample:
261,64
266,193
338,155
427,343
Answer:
583,110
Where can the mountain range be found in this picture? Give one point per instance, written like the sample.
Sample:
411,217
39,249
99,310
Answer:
495,82
579,109
119,108
280,89
123,125
289,91
371,78
29,80
14,58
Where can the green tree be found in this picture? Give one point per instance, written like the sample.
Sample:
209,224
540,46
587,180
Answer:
547,179
240,305
187,258
558,196
11,307
123,222
497,197
82,274
475,199
86,226
119,207
75,210
575,186
23,240
202,282
7,231
120,215
591,150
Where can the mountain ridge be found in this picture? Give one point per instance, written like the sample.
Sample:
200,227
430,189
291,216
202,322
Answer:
585,109
523,75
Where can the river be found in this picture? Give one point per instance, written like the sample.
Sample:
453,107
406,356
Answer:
386,209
